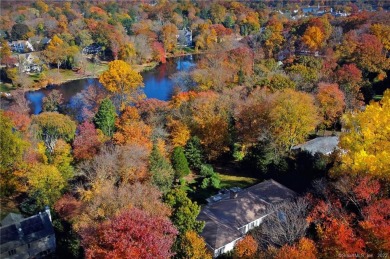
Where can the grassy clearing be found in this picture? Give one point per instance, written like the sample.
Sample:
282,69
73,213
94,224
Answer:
6,87
229,181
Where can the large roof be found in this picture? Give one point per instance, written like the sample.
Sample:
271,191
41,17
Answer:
22,231
323,145
224,218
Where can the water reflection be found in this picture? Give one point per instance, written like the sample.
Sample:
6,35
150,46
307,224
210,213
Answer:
158,84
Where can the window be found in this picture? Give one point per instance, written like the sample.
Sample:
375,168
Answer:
12,252
29,245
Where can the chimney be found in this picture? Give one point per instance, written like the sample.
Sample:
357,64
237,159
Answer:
47,210
233,194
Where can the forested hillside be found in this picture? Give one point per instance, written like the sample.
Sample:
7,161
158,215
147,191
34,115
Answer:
126,176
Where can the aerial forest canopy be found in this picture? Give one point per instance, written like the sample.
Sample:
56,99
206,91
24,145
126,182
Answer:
294,91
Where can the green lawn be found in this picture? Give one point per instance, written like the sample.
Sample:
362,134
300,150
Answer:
5,87
229,181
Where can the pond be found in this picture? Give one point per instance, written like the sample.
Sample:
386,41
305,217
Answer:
157,81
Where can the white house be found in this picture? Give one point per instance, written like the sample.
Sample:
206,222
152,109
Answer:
21,46
230,215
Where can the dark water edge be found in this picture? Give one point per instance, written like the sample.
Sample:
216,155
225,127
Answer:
157,83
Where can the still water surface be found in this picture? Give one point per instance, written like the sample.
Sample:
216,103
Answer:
157,81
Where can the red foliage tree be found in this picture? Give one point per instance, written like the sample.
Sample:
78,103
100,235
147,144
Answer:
21,120
67,207
86,144
349,77
131,234
376,226
337,237
159,52
331,100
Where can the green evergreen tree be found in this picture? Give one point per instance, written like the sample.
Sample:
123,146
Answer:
179,162
194,153
161,170
184,211
105,117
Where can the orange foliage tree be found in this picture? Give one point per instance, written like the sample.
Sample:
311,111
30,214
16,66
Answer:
132,130
246,248
331,101
194,247
304,249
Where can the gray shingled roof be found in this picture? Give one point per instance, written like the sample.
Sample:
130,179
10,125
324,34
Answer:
225,217
25,231
323,145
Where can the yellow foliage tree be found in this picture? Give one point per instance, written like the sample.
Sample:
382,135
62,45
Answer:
121,79
194,247
366,143
293,117
383,33
313,37
180,133
45,183
169,32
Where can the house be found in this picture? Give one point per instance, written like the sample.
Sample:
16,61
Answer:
92,49
21,46
31,237
29,63
231,214
39,43
184,37
322,145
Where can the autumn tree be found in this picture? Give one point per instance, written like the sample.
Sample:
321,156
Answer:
58,51
210,123
331,103
350,78
180,132
245,248
6,54
370,56
86,143
375,226
169,36
11,152
305,248
127,53
51,126
382,31
121,79
285,224
131,234
338,237
366,141
313,38
45,184
130,129
52,101
293,116
105,117
193,246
